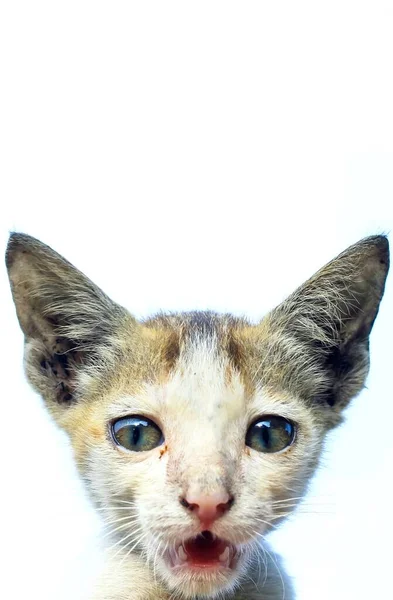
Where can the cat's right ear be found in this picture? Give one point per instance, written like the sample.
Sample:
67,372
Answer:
69,324
318,338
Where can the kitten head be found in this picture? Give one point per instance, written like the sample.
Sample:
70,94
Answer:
196,433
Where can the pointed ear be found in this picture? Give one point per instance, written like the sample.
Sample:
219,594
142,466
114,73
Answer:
69,324
323,328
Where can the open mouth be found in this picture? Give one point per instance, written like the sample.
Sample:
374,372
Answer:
203,552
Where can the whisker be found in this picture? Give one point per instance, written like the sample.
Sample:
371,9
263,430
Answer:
266,523
123,515
265,562
155,562
274,502
109,508
303,512
111,531
129,518
278,571
304,500
124,538
134,546
274,562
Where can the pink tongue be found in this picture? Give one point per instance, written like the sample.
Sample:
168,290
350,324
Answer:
203,550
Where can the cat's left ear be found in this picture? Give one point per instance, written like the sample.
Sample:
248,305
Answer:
72,329
319,336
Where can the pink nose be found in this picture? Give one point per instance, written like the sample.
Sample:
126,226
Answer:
208,508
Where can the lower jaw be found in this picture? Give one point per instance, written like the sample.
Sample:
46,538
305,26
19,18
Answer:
202,568
203,576
214,574
201,581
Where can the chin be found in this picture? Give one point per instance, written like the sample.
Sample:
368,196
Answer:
204,566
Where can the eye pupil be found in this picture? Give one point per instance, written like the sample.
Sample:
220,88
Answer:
270,434
137,434
265,433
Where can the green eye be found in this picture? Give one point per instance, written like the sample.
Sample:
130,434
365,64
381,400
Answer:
270,434
137,434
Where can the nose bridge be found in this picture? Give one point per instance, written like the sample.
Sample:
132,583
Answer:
206,471
203,465
201,462
209,479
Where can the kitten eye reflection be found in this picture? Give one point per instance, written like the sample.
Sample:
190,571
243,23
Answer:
270,434
137,434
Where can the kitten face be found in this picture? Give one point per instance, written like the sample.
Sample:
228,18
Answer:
196,433
204,406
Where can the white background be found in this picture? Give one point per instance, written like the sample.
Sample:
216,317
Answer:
197,155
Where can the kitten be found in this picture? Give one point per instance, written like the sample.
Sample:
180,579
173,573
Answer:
195,433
